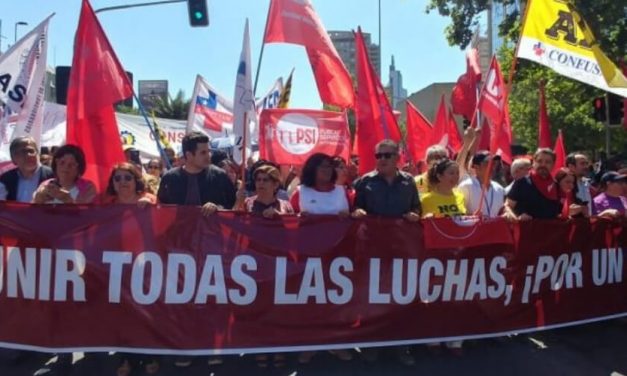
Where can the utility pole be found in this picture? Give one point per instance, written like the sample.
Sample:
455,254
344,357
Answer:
138,5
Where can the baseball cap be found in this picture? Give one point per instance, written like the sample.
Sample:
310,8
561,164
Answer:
480,157
612,176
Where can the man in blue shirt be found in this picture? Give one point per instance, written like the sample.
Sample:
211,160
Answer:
21,182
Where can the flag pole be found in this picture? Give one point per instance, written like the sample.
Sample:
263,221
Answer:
515,59
152,131
244,157
263,44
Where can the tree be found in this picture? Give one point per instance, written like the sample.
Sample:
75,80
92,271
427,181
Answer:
126,110
569,102
172,108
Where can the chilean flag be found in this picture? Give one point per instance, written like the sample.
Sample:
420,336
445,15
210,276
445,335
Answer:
208,107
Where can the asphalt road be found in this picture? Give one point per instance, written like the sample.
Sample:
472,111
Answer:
593,349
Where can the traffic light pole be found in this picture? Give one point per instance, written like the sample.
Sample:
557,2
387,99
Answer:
607,125
106,9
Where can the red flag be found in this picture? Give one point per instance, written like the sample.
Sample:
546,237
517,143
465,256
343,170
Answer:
418,133
544,130
493,105
296,22
375,118
464,94
440,125
97,81
454,138
484,142
560,153
289,136
492,98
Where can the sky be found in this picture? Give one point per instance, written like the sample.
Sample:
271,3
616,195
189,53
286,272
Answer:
157,42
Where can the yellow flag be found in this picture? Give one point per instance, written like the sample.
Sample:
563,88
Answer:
284,101
164,140
613,76
554,36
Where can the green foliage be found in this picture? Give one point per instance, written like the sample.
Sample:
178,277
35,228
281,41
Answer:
569,102
173,108
127,110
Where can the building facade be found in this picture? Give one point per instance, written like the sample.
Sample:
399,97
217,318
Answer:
344,42
397,93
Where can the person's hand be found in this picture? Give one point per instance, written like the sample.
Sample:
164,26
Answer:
359,213
54,191
524,217
428,215
270,213
575,209
469,135
143,202
610,213
241,194
411,217
208,209
509,216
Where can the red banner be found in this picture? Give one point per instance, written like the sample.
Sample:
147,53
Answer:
289,136
167,280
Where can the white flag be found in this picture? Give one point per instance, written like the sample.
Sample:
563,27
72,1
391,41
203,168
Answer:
22,84
209,112
243,103
272,97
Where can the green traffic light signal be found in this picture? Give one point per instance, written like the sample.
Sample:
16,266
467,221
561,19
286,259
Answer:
198,13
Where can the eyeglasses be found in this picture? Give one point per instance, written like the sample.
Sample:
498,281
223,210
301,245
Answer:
153,167
386,155
118,178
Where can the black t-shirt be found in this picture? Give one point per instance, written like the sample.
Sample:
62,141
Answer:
376,196
531,201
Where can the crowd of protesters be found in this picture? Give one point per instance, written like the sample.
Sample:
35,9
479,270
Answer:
472,183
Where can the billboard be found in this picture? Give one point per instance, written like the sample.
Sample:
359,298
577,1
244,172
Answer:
151,90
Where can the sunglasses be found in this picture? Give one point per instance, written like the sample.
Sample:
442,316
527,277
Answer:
384,155
153,167
118,178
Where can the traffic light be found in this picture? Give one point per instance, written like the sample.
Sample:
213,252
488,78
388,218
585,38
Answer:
616,109
198,13
598,104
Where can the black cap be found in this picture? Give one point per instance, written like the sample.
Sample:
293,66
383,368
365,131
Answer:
480,157
612,176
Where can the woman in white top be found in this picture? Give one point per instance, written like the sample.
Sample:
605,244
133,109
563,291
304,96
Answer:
67,186
318,193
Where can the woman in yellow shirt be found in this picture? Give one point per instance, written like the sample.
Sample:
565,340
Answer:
444,199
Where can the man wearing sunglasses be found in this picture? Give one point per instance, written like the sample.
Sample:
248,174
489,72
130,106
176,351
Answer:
387,191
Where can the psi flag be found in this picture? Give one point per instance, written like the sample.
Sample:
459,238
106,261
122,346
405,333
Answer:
290,136
553,36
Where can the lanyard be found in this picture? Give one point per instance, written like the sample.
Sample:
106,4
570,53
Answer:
489,203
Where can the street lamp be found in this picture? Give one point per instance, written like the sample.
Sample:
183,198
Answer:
21,23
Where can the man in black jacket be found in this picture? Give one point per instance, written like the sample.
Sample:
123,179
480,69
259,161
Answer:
198,182
22,181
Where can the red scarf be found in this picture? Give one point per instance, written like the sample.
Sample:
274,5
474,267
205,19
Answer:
546,186
567,199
